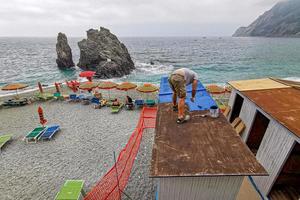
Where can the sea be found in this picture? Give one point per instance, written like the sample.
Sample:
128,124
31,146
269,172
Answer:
215,59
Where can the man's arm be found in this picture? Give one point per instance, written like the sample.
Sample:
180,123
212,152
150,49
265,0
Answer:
194,88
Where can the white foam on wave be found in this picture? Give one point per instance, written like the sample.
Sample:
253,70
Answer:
155,69
293,78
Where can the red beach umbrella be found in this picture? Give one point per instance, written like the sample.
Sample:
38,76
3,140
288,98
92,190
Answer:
43,121
87,74
40,87
57,87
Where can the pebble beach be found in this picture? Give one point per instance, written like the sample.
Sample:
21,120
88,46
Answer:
83,149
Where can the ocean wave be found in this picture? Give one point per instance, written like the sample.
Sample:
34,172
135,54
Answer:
293,78
155,69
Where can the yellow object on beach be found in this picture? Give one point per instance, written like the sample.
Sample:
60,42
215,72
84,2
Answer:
256,84
147,88
88,85
107,85
126,86
14,86
215,89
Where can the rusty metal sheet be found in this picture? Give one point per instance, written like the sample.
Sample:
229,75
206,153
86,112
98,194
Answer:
282,104
200,147
256,84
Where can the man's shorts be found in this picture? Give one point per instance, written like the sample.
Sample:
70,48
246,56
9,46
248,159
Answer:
177,84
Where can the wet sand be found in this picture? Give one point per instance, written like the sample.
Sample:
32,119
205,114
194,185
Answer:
83,149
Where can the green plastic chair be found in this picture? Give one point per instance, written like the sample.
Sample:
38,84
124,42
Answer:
33,135
71,190
4,139
116,109
58,96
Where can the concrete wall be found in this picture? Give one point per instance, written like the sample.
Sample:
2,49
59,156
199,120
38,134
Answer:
195,188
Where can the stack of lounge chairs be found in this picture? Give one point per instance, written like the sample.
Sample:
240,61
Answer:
16,102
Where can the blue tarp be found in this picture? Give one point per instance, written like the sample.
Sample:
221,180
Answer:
203,100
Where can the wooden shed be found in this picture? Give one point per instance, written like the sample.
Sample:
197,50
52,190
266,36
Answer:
201,159
271,112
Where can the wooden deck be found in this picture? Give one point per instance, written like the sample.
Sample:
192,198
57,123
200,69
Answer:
200,147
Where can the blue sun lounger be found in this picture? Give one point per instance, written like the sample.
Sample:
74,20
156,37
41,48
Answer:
49,132
139,103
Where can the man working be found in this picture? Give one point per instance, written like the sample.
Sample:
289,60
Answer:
178,80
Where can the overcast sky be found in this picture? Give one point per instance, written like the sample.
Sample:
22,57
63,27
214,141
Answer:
128,17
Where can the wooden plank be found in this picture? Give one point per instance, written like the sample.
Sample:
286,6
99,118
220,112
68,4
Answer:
256,84
200,147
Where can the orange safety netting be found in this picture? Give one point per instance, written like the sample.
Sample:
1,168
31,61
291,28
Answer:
110,186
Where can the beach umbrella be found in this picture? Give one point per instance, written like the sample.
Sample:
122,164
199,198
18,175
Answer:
107,85
14,86
40,87
57,87
43,121
125,86
147,88
88,85
87,74
215,89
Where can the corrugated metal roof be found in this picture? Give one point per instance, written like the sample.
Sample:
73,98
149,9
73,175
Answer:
200,147
282,104
256,84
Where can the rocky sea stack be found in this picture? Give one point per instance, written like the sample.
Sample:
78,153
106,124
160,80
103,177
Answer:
64,53
103,53
283,20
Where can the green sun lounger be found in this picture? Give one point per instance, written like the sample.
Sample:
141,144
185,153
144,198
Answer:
150,102
58,96
44,96
71,190
4,139
34,135
116,109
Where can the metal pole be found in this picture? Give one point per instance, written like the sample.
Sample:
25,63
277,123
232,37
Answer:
117,175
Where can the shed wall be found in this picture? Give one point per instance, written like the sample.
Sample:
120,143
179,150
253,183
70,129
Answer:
272,154
195,188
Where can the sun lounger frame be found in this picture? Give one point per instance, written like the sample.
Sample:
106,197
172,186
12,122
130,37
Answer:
52,133
5,141
35,138
67,188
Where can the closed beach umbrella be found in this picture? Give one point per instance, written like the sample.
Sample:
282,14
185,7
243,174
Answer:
107,85
57,87
87,74
147,88
43,121
40,87
88,85
14,86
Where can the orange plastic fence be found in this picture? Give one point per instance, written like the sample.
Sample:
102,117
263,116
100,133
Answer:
107,187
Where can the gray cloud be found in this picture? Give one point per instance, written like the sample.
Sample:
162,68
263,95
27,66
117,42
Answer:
128,17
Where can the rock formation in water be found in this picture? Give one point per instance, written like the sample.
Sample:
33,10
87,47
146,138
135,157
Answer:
64,52
283,20
103,53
